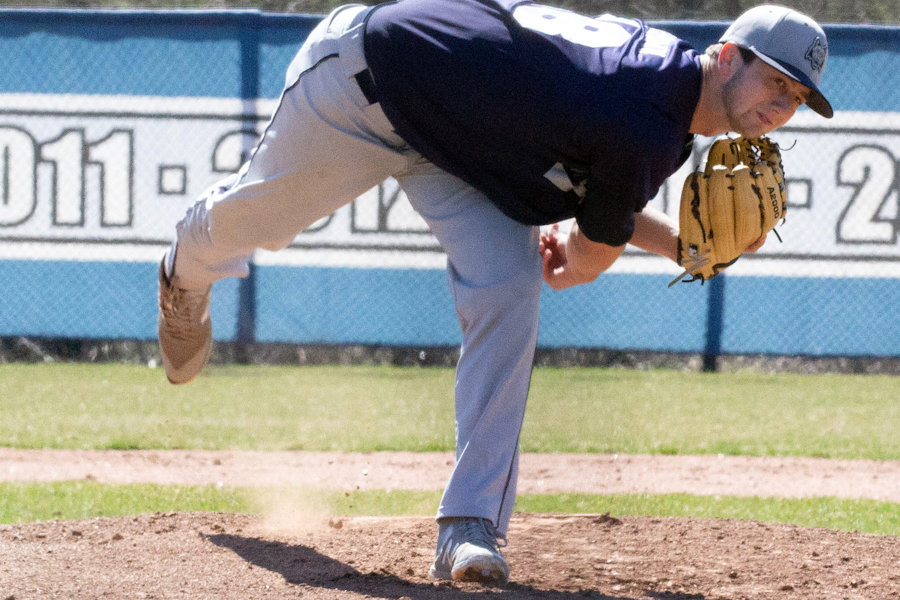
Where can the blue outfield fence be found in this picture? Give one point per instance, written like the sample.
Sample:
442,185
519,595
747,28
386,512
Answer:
112,123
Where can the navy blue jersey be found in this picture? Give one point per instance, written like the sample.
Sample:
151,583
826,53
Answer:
551,114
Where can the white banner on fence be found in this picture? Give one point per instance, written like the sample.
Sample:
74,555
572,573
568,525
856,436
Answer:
107,177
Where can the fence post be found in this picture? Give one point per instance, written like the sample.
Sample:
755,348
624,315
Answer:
715,314
250,73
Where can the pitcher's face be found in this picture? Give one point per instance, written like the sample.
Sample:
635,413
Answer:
759,98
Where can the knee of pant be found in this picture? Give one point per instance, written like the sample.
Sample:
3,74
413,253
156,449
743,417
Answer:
515,301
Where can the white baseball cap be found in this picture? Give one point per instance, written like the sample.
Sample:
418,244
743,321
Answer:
789,41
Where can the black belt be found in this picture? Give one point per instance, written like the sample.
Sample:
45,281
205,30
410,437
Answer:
367,85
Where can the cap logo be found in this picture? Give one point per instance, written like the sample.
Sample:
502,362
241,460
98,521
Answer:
816,54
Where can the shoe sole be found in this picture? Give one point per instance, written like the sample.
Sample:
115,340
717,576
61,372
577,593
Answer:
480,575
478,571
182,382
201,358
471,574
205,353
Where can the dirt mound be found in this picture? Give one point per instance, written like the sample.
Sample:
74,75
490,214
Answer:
296,551
224,556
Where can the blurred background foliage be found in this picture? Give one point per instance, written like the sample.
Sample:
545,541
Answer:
824,11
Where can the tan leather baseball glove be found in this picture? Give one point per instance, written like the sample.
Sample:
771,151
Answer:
734,201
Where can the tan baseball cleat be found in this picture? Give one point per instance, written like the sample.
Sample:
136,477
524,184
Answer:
185,329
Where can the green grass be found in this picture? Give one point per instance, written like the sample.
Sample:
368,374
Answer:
126,407
869,516
64,500
383,408
23,502
668,412
266,408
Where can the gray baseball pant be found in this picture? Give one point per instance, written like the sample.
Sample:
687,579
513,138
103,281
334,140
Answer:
324,146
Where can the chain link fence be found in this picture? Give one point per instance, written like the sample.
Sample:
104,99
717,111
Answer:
824,11
113,122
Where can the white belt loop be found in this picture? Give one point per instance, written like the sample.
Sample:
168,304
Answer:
350,45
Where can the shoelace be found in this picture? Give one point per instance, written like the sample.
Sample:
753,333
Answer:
499,539
180,308
483,532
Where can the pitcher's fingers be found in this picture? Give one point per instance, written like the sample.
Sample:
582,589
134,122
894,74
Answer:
756,245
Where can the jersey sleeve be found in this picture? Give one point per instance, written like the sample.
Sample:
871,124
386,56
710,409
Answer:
624,179
605,215
615,191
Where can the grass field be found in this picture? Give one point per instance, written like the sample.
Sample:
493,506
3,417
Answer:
114,406
83,499
381,408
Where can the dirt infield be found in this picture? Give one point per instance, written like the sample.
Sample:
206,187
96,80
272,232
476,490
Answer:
784,477
230,557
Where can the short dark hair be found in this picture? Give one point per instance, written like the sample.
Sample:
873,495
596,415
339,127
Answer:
747,55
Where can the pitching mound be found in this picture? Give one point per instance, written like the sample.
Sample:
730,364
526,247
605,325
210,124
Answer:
241,557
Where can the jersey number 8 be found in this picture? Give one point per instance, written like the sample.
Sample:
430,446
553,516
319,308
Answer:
571,26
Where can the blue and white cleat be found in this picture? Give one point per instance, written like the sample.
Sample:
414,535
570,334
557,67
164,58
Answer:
468,550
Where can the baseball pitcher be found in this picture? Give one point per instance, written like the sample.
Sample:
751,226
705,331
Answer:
497,117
